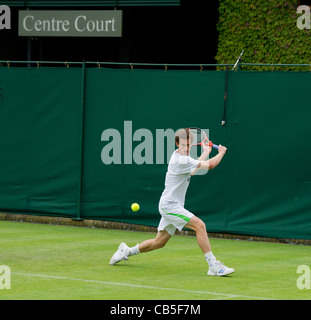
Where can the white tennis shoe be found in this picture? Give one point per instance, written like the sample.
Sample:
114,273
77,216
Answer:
120,255
218,269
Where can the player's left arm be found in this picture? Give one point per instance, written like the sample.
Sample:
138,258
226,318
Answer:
206,151
205,154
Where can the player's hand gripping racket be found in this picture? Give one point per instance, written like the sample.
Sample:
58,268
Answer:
200,138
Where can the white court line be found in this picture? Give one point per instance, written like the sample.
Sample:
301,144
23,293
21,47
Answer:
225,295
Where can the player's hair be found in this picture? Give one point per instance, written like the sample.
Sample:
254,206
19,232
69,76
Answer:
185,133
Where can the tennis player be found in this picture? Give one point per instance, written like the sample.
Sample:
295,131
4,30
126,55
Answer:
171,205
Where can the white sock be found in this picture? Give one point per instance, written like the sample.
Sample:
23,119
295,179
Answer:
134,250
210,258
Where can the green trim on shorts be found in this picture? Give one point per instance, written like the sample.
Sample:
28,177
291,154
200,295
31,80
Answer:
181,216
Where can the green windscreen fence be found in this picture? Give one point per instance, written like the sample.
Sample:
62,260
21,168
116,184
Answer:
60,127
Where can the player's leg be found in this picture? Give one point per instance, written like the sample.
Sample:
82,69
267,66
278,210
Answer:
199,227
124,251
216,268
165,231
152,244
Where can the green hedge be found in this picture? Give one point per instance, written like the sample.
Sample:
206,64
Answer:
266,30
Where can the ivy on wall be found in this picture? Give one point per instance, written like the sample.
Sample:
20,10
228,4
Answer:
267,32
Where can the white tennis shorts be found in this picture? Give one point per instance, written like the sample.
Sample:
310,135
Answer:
174,216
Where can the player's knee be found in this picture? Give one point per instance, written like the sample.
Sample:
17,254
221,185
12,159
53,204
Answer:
200,226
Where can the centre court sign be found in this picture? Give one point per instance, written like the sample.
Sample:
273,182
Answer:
65,23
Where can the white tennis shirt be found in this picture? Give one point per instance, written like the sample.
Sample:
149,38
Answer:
177,178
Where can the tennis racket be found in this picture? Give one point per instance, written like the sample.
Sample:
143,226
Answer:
200,138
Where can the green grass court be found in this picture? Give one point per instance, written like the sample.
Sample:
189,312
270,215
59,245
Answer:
63,262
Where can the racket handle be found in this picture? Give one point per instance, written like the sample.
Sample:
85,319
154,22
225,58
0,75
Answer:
211,144
215,146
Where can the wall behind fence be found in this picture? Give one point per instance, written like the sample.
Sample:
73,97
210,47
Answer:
262,187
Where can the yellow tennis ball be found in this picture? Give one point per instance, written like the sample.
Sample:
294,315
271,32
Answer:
135,207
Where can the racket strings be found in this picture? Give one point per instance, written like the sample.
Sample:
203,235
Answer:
198,136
